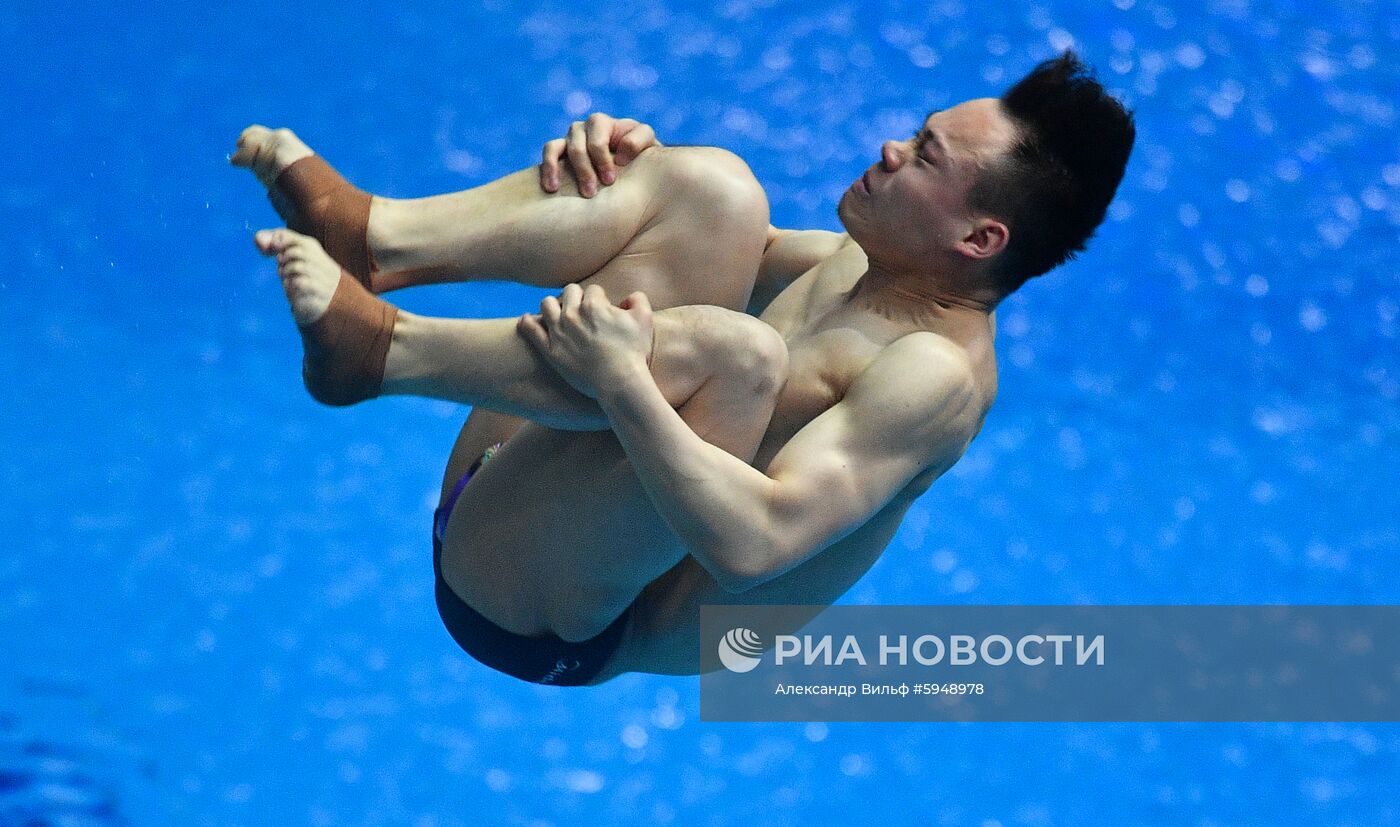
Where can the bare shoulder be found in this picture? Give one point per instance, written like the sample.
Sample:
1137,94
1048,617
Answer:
789,255
924,365
926,386
807,245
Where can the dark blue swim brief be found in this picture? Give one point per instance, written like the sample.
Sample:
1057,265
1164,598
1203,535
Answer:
545,659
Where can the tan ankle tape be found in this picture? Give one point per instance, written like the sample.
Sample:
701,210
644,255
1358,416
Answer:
331,210
346,349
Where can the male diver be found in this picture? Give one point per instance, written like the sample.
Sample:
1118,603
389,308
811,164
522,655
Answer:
630,462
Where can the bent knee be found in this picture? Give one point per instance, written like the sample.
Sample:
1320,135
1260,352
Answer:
747,350
715,182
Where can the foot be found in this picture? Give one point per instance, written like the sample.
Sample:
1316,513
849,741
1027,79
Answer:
309,276
345,331
268,153
311,196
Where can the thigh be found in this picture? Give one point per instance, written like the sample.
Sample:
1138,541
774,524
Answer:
557,533
702,242
702,246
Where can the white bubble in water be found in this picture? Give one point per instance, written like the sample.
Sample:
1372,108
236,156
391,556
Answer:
577,102
1361,57
777,59
461,162
854,764
497,780
1256,286
1237,190
1190,56
1288,170
1390,173
1311,317
583,781
1346,209
1320,790
1319,66
898,35
923,57
1060,39
1188,215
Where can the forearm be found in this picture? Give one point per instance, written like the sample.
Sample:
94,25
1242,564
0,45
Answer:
483,362
716,503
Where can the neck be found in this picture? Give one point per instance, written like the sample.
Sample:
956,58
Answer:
930,291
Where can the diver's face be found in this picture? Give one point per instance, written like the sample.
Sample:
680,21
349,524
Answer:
913,203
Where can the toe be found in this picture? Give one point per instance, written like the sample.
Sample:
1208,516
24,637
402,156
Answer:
250,141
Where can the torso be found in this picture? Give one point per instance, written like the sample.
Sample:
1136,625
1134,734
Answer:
829,344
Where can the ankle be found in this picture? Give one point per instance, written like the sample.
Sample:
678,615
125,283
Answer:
388,237
403,366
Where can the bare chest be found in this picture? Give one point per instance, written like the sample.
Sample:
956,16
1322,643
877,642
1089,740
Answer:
827,348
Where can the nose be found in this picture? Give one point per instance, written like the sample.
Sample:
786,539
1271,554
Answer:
892,155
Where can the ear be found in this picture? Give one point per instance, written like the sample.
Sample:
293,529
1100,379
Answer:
988,237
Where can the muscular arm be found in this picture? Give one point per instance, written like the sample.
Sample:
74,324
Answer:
788,255
913,408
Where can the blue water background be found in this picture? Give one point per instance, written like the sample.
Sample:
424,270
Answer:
214,596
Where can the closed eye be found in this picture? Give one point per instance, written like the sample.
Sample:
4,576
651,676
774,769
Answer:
919,141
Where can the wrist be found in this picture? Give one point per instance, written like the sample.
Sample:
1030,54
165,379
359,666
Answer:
628,380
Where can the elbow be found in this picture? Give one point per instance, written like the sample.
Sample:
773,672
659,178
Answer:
730,574
750,567
733,583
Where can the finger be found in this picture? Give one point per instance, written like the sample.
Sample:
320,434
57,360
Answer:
599,130
577,151
620,128
549,312
532,331
570,299
549,164
638,302
633,143
594,297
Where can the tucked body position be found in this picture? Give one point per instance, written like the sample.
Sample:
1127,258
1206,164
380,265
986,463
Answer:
712,410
